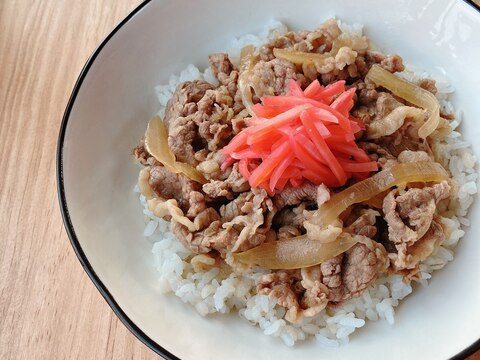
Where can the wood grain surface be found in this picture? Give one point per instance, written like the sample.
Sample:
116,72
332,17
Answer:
49,309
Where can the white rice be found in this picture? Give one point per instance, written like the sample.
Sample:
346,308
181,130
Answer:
210,293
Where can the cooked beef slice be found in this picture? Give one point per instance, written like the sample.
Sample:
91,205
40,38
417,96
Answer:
241,224
362,222
348,274
198,116
213,237
294,196
412,227
229,188
407,258
272,77
184,100
176,186
409,215
142,156
226,74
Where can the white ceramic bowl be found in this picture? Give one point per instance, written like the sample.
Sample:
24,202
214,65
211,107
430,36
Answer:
107,115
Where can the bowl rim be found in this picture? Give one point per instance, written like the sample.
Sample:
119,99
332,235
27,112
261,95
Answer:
101,287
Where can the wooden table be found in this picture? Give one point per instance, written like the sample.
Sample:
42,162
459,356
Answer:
49,309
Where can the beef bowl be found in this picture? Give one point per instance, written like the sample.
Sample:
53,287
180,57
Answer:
310,192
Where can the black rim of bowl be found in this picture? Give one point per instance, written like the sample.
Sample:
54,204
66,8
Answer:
69,226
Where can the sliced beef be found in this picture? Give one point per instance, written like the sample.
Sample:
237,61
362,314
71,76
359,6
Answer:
405,138
174,186
293,204
332,277
142,156
311,296
379,154
213,237
412,227
228,188
238,206
409,215
241,224
315,297
182,130
402,120
198,116
373,105
226,74
407,258
245,203
213,118
388,117
210,164
367,97
385,104
182,135
184,100
294,196
221,66
218,189
362,222
392,63
272,77
429,85
301,292
360,269
348,274
364,113
251,213
285,287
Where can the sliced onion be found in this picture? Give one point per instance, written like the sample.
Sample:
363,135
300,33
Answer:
364,190
394,121
300,57
190,172
248,59
320,59
156,143
296,253
377,200
410,92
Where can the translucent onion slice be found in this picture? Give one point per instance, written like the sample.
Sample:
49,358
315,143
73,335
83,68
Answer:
364,190
410,92
300,57
296,253
190,172
156,143
377,200
248,59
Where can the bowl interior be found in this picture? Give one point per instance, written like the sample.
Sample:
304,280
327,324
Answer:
115,101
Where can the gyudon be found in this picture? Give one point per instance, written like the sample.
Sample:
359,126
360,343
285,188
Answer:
309,183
